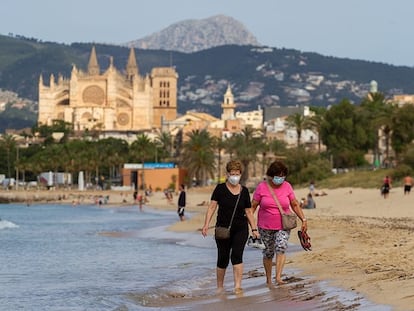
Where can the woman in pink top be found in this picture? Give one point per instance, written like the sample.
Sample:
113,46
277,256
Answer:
269,220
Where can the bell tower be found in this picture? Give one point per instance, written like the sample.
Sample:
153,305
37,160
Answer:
228,105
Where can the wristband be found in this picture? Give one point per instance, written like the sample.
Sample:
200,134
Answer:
254,230
304,219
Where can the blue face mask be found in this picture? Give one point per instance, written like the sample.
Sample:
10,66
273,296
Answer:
277,180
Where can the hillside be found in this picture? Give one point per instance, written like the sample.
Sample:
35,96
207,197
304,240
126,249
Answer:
262,76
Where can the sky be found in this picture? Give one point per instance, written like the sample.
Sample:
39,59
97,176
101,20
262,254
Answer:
372,30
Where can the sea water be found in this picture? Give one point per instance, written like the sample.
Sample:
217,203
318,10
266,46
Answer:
60,257
64,257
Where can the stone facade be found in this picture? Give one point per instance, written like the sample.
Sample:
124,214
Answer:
110,101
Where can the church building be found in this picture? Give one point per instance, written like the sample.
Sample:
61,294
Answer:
110,101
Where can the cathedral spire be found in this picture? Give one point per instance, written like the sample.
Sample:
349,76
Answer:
93,66
131,67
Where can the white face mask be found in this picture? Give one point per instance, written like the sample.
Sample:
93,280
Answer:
234,179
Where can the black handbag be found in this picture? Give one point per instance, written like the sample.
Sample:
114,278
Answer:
222,233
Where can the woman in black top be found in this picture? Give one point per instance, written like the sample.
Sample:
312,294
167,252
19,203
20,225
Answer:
225,197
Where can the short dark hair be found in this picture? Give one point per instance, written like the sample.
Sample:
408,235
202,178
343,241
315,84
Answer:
277,168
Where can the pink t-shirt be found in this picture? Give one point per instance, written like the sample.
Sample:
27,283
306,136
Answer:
268,216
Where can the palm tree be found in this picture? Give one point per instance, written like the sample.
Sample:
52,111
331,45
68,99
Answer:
142,149
379,114
219,145
314,123
198,155
8,142
116,155
245,146
299,122
164,146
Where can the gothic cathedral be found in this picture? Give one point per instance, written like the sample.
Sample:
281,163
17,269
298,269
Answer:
110,101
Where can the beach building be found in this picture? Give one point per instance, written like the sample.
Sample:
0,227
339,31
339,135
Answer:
158,176
276,126
230,123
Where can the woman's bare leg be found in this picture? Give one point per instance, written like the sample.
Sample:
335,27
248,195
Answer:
238,275
267,264
220,279
280,263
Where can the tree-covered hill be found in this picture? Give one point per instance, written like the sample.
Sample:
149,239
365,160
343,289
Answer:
262,76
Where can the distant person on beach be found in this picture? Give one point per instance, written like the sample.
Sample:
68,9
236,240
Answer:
309,202
141,200
135,195
228,197
408,183
269,220
312,187
386,186
181,202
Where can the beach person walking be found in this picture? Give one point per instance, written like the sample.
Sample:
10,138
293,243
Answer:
181,202
386,186
135,195
231,197
269,220
140,200
408,183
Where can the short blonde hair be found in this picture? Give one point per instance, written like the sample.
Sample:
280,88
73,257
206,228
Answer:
234,165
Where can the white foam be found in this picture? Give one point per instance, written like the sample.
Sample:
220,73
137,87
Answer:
4,224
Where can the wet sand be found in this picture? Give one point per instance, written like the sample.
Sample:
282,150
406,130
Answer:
361,242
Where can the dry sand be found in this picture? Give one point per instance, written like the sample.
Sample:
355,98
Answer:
360,241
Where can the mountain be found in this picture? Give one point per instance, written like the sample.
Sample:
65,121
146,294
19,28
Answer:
196,35
265,76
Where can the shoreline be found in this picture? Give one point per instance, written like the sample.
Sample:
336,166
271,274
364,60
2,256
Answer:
361,242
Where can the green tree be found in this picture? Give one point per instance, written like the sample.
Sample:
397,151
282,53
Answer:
300,123
8,143
164,147
219,145
58,126
141,150
198,156
315,123
344,133
402,129
245,147
378,114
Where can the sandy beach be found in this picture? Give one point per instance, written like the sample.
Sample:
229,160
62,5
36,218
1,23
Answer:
361,242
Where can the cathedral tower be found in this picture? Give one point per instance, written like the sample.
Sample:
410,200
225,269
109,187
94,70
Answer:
228,105
164,84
